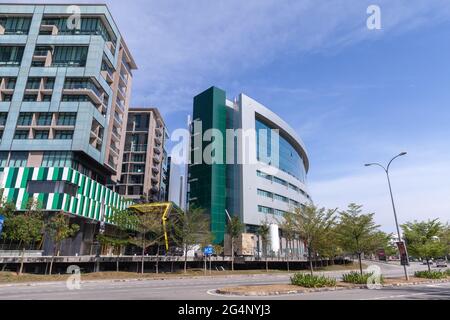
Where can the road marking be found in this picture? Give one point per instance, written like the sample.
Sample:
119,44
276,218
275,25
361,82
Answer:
405,295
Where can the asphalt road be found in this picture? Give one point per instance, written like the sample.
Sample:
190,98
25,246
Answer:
204,288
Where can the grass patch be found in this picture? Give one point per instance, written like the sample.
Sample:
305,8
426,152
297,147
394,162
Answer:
312,281
358,278
431,274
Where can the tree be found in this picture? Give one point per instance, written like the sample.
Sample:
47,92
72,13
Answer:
356,232
313,224
27,227
263,233
7,210
120,219
234,229
58,229
149,230
425,239
287,224
192,228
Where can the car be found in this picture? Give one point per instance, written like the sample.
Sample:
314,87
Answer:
425,261
441,263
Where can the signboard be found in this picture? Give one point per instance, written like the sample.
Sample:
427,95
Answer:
208,251
404,261
2,220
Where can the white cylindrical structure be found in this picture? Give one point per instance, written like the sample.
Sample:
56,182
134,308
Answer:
274,238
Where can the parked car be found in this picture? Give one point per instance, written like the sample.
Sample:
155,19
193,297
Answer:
441,263
425,261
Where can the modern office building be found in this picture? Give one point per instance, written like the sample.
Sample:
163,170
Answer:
258,167
65,84
144,169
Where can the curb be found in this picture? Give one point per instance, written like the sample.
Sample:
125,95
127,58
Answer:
42,283
225,292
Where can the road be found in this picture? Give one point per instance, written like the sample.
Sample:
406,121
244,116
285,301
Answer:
204,289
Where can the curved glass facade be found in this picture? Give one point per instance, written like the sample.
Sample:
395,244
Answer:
290,160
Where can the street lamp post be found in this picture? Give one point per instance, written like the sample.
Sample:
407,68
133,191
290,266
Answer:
386,169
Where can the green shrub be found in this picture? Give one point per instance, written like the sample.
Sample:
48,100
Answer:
430,274
308,281
447,272
358,278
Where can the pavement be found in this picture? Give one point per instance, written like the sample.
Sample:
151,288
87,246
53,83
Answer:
204,288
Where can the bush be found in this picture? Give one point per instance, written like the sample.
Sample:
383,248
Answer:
430,274
357,278
309,281
447,272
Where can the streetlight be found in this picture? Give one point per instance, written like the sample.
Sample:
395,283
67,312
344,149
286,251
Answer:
386,169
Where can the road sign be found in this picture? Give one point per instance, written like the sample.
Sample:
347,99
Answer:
208,251
2,220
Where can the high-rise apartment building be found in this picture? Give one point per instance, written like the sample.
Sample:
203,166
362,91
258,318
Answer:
258,164
65,83
144,169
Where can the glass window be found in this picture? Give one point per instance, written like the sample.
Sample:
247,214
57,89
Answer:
41,134
16,25
57,159
280,181
3,159
44,119
280,198
49,83
25,119
263,175
52,187
30,97
66,119
263,209
11,55
279,212
10,83
75,98
47,98
7,97
33,83
289,160
264,193
70,56
21,134
18,159
64,134
3,116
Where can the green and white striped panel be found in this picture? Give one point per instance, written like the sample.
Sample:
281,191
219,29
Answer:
90,198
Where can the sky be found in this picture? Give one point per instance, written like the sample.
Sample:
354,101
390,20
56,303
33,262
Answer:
352,94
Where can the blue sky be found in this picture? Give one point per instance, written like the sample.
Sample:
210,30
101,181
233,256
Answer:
354,95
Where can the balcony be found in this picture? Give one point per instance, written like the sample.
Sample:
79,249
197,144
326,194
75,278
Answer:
156,150
155,170
121,105
156,160
138,148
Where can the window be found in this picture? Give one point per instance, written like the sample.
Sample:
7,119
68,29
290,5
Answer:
49,83
52,187
30,97
11,55
41,134
16,25
10,83
7,97
263,175
42,51
291,186
47,97
138,157
138,168
45,119
64,134
57,159
25,119
33,83
18,159
280,181
278,212
263,209
280,198
21,134
264,193
3,159
88,26
75,98
70,56
66,119
3,116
